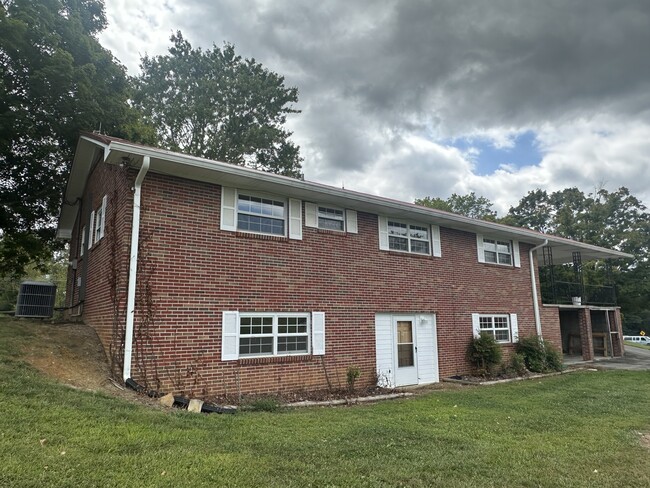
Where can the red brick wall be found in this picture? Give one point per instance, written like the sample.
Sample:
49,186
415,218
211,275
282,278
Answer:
107,260
190,271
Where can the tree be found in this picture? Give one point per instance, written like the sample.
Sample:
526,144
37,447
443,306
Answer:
468,205
615,220
216,105
55,80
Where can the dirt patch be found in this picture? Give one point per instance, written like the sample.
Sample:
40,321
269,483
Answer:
645,440
72,354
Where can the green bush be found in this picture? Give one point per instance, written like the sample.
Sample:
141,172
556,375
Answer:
353,373
518,364
540,356
484,354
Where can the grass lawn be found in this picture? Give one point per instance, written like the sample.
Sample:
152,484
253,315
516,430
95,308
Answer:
634,344
579,429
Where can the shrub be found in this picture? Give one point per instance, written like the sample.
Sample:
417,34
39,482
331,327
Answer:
518,364
353,374
484,353
539,356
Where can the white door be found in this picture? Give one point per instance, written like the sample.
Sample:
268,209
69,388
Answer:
406,370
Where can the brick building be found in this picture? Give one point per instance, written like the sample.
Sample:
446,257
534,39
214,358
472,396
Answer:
207,278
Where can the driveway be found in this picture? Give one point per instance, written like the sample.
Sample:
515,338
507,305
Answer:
635,359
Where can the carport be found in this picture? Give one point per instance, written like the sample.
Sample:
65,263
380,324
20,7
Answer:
590,332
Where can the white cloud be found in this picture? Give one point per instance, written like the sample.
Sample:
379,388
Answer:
382,84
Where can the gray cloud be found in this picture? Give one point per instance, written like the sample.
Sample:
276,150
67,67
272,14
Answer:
375,76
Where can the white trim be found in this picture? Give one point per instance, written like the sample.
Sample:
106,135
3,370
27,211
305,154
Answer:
435,241
311,215
228,208
516,259
514,328
351,222
295,219
133,268
229,335
168,162
476,326
318,333
91,230
83,240
479,248
103,220
383,233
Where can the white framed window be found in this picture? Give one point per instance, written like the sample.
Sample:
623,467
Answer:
497,251
412,237
503,327
260,214
328,217
272,334
247,211
97,224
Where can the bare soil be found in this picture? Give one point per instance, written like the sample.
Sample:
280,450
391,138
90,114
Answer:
72,354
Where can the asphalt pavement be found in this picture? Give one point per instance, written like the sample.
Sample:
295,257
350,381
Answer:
635,359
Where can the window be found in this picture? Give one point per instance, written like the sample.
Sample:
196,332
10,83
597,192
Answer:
273,334
499,252
496,325
408,237
330,219
322,216
99,214
97,223
262,215
503,327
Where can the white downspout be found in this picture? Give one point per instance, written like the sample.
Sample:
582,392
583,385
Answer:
538,320
133,268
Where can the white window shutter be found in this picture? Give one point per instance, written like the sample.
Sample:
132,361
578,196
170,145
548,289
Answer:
479,248
103,221
230,336
435,235
351,221
228,208
83,240
318,333
476,325
383,233
311,214
91,229
515,254
514,327
295,219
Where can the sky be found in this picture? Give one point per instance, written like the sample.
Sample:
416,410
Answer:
408,99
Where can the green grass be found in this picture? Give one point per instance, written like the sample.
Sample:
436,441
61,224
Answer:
634,344
578,430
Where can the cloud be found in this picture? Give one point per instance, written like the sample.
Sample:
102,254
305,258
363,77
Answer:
384,86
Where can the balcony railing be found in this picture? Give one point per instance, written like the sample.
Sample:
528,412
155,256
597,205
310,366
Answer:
564,292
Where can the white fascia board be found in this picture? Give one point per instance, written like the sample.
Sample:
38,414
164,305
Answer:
305,190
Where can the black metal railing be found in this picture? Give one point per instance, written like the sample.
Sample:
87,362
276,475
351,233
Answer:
566,293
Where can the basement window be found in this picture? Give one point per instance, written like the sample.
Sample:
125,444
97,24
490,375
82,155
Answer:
273,334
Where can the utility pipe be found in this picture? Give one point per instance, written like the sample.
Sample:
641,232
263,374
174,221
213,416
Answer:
538,320
133,268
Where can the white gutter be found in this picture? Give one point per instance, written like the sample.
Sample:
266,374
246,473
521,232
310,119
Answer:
538,320
133,268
